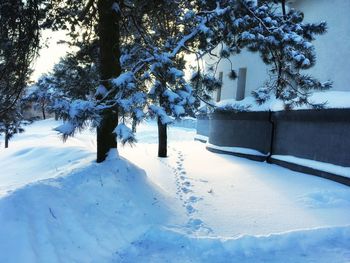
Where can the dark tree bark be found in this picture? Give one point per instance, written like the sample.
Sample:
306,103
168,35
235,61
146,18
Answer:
6,139
283,2
109,39
162,139
162,135
43,112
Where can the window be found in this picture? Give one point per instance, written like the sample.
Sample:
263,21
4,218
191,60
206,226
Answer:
242,75
218,92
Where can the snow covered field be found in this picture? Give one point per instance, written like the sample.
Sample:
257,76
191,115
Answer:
57,205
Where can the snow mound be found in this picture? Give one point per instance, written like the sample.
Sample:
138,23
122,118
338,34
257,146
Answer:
87,216
164,245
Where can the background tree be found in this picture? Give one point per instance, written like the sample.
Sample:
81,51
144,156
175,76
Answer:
10,124
19,43
76,74
42,94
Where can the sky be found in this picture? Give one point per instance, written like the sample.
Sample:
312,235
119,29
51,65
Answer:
50,55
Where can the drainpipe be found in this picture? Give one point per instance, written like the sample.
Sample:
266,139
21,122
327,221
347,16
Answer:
272,137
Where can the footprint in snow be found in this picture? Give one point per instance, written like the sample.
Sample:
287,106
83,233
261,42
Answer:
197,225
194,199
187,183
185,190
190,209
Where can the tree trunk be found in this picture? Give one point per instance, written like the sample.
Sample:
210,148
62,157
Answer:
162,133
6,139
283,3
43,112
162,139
109,42
279,82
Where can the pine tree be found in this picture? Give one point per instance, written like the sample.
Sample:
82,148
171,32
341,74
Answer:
42,94
10,124
141,58
76,74
147,57
19,42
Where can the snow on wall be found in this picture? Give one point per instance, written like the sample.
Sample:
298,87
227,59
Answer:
326,167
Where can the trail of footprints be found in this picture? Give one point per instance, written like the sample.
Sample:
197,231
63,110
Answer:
185,193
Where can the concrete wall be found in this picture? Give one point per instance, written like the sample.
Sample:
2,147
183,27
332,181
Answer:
315,135
250,130
202,125
319,135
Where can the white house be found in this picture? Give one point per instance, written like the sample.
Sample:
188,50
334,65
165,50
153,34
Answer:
332,49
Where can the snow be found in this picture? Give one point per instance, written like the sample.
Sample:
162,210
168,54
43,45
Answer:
322,166
200,137
58,205
124,133
101,91
333,99
124,79
236,150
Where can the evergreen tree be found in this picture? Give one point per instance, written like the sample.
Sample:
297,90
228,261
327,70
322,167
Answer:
147,57
141,49
42,94
19,42
76,75
284,43
10,124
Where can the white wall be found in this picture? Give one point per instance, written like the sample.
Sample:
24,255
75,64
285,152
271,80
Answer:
257,73
332,49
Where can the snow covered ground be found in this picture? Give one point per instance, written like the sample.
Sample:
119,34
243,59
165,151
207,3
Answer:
58,205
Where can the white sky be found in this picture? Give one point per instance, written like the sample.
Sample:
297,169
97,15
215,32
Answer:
49,55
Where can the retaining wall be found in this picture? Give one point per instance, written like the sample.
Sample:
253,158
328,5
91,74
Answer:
202,125
318,135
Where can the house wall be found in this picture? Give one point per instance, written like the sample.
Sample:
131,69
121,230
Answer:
257,73
332,49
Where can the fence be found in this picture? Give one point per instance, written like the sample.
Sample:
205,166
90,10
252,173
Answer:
308,141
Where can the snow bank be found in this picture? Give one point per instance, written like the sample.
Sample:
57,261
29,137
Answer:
87,216
326,167
295,246
333,100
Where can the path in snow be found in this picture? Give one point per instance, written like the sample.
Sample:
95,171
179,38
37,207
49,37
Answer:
228,196
185,194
